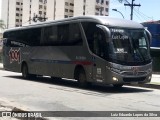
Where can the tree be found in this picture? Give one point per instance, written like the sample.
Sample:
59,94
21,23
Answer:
2,25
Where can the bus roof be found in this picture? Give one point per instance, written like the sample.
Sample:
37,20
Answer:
108,21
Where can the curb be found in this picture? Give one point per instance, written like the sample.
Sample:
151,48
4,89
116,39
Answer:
148,85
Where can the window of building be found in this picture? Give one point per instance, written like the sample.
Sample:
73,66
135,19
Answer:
21,3
71,11
45,1
97,1
21,9
102,2
45,7
17,3
17,9
40,0
71,4
66,10
97,9
40,6
40,12
106,9
66,3
17,14
17,20
106,2
102,8
96,13
66,16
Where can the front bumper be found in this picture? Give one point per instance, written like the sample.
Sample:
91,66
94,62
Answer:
119,79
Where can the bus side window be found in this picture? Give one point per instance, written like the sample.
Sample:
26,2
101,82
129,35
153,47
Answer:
88,28
49,36
75,37
63,34
95,38
98,42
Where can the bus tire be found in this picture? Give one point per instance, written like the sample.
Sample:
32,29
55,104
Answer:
25,73
81,77
118,85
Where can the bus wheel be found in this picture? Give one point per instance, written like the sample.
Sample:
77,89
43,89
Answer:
117,85
25,73
81,77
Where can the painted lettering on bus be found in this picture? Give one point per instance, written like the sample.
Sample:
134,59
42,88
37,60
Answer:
14,55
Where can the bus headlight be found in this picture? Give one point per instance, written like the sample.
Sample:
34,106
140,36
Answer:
149,77
115,79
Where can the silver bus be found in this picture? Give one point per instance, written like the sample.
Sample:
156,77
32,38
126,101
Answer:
89,49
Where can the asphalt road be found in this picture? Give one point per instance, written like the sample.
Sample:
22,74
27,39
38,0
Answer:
44,94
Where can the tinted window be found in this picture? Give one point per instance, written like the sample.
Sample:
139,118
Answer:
89,29
50,35
20,38
95,37
75,35
62,35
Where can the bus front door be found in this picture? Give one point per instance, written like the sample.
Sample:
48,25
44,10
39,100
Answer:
98,70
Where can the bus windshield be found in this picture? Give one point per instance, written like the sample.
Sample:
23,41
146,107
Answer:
129,46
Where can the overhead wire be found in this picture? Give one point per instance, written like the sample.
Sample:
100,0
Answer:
139,13
138,16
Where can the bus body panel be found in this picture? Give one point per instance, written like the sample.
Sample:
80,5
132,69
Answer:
61,61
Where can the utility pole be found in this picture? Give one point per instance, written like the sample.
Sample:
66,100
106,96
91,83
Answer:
132,6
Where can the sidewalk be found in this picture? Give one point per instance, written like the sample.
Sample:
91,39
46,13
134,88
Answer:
155,81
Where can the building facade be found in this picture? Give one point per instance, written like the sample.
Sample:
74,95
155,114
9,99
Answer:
12,12
91,7
17,13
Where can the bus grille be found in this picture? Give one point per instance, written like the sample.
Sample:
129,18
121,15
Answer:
131,73
139,79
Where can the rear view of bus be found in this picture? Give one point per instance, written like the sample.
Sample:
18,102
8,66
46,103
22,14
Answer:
90,49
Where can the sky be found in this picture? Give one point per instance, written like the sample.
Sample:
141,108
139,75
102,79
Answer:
148,11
